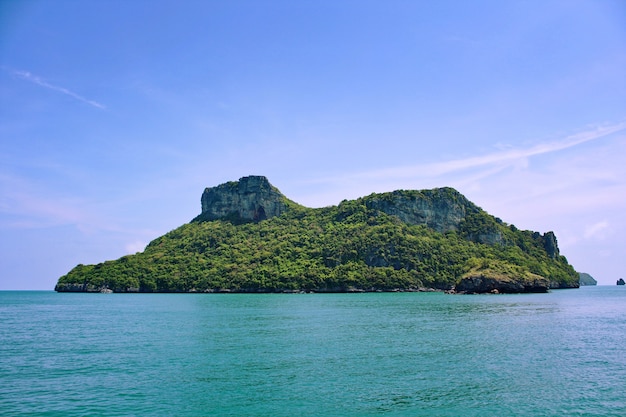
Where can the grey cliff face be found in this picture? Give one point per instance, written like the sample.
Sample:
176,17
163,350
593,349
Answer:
489,237
251,198
550,245
441,209
549,242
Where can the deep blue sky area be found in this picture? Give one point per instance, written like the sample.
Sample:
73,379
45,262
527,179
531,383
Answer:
115,115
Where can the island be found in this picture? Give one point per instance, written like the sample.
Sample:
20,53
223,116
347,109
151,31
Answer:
250,238
586,279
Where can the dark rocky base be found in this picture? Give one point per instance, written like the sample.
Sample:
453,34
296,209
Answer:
473,285
480,284
92,289
483,284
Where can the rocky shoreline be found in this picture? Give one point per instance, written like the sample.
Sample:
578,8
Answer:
476,285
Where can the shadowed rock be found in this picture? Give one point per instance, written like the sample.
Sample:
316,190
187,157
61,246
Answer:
250,199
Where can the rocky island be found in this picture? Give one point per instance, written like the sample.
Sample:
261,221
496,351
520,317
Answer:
586,279
250,238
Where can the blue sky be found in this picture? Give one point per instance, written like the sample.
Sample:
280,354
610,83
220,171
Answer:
115,115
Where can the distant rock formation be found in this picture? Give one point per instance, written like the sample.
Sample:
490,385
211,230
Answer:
621,281
586,279
250,199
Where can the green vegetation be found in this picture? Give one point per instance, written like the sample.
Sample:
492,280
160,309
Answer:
341,248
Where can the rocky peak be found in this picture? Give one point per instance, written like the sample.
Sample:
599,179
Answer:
251,198
549,242
441,209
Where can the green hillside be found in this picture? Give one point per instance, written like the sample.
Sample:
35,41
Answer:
355,246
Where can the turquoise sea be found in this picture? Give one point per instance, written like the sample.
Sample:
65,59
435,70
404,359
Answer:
374,354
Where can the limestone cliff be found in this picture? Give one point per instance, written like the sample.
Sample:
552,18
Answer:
251,198
549,243
441,209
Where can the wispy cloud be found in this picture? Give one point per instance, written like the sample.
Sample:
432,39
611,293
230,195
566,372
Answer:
507,170
493,162
509,157
25,206
596,229
25,75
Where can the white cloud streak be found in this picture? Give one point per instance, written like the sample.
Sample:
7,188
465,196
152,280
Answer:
501,159
25,75
24,206
467,174
596,230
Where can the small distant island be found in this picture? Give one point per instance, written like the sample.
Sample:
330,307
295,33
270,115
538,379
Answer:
586,279
250,238
621,281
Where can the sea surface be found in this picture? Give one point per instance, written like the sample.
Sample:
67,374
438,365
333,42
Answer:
374,354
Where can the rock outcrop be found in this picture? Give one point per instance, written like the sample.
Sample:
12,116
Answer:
441,209
479,283
250,199
549,243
